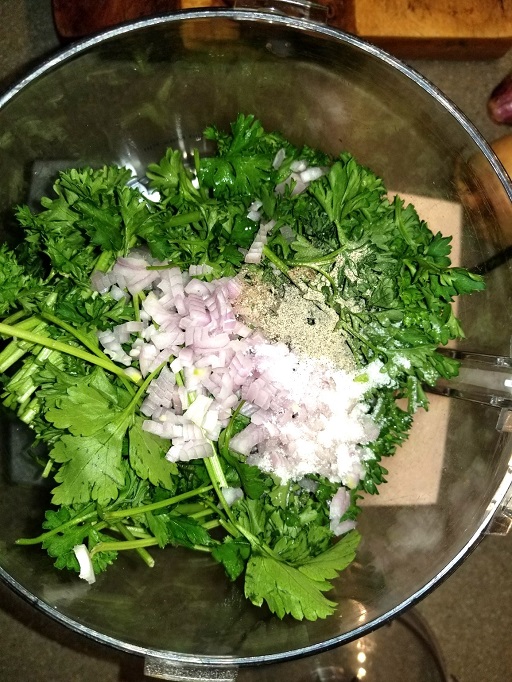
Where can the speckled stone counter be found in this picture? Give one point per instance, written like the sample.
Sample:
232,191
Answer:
470,613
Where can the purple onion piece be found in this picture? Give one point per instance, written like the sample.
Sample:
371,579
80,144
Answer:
499,105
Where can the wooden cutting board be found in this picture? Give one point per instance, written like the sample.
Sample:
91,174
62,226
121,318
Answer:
458,29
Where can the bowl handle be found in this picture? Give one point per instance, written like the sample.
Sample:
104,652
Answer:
482,378
485,379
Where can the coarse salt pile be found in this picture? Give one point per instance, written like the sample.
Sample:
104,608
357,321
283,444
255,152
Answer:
306,415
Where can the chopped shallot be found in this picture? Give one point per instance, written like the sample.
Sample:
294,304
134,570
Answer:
231,495
279,158
300,424
84,560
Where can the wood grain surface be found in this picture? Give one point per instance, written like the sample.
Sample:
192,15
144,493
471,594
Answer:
78,18
408,28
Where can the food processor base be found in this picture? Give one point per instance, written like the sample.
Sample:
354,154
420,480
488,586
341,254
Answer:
403,650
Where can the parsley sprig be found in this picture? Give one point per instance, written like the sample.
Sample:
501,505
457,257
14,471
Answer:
369,258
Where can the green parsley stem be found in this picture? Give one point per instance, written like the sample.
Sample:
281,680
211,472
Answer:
184,219
128,243
204,243
84,339
228,527
189,508
281,265
30,411
23,377
40,340
47,469
339,231
104,261
313,266
120,545
202,548
228,432
21,386
218,479
87,341
200,514
15,317
216,468
23,401
210,525
142,388
134,511
429,266
98,525
256,542
360,338
143,553
28,323
16,349
86,515
321,260
167,266
136,307
215,508
138,532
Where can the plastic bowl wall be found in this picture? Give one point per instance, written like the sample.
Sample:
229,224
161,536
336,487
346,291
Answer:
123,99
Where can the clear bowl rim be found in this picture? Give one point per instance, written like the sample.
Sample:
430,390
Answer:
81,46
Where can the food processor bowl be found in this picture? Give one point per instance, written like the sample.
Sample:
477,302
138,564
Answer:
122,98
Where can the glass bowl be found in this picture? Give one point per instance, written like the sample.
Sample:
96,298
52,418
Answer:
123,97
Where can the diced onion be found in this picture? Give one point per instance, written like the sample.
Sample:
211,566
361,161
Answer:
279,158
196,413
231,495
311,173
84,560
301,423
298,166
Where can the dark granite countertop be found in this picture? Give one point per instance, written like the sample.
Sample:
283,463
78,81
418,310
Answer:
470,613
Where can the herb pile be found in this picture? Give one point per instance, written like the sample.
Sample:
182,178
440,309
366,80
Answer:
372,261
